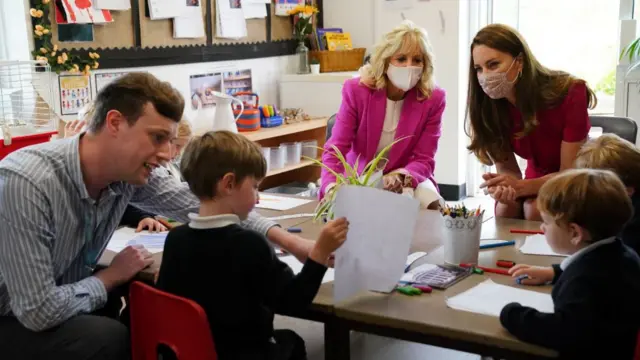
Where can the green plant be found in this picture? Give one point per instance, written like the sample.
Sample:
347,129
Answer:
607,85
632,51
315,61
350,177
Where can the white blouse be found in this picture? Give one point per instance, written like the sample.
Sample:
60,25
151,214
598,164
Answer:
391,119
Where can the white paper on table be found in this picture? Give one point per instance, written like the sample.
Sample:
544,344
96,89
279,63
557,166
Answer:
121,238
112,4
230,21
537,245
154,242
381,225
296,266
254,10
489,298
275,202
292,216
166,9
190,23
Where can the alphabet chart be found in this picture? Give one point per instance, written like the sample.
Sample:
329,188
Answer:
75,93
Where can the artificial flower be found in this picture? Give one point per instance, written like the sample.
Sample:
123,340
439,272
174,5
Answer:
45,31
45,1
43,50
33,12
96,64
65,57
39,27
60,60
39,14
38,33
75,68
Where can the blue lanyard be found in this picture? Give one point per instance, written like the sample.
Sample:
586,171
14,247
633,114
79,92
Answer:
90,233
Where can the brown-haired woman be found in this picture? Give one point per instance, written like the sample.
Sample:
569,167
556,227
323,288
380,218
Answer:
517,106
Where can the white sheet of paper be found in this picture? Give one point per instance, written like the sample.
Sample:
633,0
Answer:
230,21
121,238
489,298
154,242
293,216
381,225
296,266
112,4
253,10
428,229
274,202
189,24
166,9
537,245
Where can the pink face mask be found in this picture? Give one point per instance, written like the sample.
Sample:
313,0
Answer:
496,85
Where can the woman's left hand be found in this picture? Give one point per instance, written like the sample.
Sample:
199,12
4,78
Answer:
392,182
492,180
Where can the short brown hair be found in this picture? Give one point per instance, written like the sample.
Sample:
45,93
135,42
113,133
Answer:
207,158
130,93
614,153
596,200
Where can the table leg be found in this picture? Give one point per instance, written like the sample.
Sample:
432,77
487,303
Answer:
336,340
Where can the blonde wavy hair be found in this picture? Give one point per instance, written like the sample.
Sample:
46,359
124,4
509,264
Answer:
405,37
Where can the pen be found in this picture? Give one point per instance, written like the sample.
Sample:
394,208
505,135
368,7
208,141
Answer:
294,230
165,223
517,231
487,269
489,246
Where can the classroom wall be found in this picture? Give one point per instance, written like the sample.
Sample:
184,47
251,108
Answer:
447,22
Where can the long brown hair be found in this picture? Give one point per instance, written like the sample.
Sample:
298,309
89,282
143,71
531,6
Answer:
487,120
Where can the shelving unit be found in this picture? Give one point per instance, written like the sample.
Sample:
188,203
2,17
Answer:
306,170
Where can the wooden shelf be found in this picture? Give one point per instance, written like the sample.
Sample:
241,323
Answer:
303,163
269,133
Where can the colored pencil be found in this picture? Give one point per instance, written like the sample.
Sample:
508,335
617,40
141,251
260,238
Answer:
531,232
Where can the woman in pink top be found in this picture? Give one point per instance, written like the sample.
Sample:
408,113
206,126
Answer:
517,106
394,97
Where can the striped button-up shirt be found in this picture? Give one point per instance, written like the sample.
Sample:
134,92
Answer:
53,232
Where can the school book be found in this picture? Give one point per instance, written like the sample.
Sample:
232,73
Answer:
320,32
338,41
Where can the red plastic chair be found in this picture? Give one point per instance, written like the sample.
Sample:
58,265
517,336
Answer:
159,318
636,356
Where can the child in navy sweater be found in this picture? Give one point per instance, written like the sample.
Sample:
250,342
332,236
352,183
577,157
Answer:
596,290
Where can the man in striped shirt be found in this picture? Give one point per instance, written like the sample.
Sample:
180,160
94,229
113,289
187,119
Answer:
60,202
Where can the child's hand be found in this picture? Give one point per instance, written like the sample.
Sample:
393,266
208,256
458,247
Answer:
151,224
535,275
333,234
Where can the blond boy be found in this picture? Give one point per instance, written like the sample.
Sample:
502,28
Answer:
612,152
230,271
595,289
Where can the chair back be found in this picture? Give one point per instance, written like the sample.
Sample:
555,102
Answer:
162,319
330,123
624,127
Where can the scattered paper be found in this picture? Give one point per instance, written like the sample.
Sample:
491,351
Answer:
123,237
489,298
190,23
154,242
294,216
112,4
537,245
275,202
166,9
296,266
254,9
381,225
230,21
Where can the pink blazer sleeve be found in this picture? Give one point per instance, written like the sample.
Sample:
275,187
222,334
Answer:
342,135
422,164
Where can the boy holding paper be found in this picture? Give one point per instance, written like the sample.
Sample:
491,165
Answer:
232,272
596,289
614,153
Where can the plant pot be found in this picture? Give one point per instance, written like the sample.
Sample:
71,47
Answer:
315,69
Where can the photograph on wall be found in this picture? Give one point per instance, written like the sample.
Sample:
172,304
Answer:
237,81
193,2
75,93
202,87
235,4
284,6
104,79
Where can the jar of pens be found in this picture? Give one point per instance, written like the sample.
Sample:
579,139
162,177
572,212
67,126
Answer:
461,234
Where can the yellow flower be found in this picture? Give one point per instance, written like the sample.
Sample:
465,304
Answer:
38,33
60,60
33,12
75,68
43,50
65,57
87,68
296,10
45,1
39,27
40,13
96,64
53,53
55,48
45,31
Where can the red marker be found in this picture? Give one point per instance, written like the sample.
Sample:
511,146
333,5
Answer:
505,264
531,232
487,269
423,288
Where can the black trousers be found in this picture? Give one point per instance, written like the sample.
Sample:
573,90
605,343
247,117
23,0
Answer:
96,336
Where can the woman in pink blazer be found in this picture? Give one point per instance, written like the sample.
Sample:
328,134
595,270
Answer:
394,97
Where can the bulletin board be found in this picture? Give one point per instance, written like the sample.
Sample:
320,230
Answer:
134,40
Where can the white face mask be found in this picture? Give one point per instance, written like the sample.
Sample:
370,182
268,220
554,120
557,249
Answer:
404,78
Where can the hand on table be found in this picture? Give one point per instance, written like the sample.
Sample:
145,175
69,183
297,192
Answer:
125,265
535,275
150,224
502,194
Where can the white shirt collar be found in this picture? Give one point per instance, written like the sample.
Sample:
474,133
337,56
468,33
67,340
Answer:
571,259
212,222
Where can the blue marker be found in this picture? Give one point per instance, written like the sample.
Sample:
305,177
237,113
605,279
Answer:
520,278
294,230
489,246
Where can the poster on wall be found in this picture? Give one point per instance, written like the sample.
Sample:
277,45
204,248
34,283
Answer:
104,79
75,93
202,87
238,81
284,6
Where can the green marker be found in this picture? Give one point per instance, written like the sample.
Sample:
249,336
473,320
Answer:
478,271
408,290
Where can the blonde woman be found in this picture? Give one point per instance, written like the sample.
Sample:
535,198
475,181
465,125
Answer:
394,97
177,145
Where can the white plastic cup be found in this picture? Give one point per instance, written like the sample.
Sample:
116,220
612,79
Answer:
461,239
278,156
310,149
294,152
266,153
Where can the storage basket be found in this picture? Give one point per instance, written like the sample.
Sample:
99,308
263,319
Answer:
339,60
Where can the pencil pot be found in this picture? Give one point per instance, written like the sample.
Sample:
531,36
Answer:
461,237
